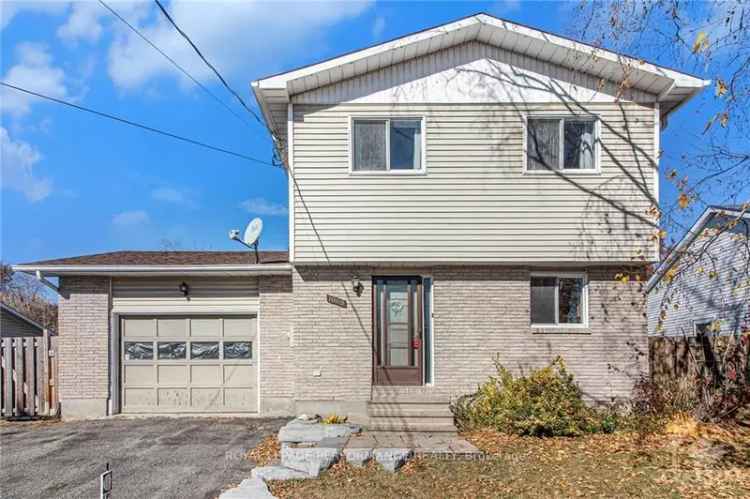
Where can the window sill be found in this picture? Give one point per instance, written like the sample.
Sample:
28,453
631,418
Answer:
564,173
555,329
382,173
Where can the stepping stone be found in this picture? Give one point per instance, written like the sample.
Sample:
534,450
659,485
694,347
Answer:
391,459
333,442
310,460
251,488
357,456
301,431
277,472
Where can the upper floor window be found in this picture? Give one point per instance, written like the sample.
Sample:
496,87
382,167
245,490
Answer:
380,145
561,144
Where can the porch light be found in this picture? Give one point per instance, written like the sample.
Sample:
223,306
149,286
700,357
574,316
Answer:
357,285
184,289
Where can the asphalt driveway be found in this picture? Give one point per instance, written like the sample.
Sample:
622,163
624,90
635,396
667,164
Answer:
151,457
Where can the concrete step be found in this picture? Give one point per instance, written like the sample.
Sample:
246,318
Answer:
406,398
397,410
425,425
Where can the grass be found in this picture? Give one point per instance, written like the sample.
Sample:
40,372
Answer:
687,461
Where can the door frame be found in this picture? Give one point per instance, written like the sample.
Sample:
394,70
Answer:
379,375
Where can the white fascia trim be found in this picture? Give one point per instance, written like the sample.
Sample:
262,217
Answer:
687,240
153,270
282,81
290,176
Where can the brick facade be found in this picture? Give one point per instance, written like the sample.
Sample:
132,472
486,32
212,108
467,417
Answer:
276,357
479,312
83,346
317,357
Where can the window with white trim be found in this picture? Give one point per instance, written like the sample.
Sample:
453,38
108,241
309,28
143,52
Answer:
381,145
561,143
558,299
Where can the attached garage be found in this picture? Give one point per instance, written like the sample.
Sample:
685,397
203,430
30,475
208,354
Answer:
198,364
173,332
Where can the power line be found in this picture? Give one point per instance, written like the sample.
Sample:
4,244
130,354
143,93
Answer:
211,66
137,125
174,63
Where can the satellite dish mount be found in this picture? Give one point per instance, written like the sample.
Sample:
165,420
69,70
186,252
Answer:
251,238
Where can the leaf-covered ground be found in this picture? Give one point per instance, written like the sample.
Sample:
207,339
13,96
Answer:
688,460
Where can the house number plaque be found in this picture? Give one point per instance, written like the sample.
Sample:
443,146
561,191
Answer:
335,300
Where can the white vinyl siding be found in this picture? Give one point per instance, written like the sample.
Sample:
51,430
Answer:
475,205
713,287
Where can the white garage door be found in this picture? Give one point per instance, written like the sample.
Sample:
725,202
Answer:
189,364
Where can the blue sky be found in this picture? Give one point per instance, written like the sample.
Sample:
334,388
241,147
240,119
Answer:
76,184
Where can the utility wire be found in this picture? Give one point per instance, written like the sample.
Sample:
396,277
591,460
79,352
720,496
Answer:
174,63
137,125
216,72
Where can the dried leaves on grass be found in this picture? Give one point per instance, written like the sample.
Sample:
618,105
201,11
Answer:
690,460
266,452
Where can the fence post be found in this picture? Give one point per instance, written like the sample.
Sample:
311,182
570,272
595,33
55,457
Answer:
44,373
6,402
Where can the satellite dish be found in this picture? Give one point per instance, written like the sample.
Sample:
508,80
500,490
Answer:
251,236
252,232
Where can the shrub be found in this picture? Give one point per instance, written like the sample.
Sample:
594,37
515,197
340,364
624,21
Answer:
547,402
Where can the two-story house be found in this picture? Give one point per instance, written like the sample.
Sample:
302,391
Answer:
471,191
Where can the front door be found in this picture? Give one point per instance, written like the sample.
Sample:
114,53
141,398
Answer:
397,306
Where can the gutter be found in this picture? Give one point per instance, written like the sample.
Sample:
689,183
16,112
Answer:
156,270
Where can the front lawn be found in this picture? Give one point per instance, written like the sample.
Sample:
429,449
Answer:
688,461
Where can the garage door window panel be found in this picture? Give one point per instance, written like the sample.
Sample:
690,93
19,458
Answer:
172,350
238,350
139,350
204,350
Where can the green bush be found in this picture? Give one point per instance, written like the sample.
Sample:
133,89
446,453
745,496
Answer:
547,402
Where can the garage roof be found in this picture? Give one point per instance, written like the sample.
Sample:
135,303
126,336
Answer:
163,262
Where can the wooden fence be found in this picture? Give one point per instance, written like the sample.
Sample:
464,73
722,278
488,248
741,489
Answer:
28,376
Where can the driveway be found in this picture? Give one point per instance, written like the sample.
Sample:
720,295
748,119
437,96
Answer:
151,457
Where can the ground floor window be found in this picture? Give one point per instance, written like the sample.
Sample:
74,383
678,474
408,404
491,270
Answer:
558,299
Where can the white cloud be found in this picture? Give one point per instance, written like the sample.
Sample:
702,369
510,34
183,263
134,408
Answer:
131,218
17,168
262,206
34,71
236,38
506,6
172,195
378,26
9,9
83,23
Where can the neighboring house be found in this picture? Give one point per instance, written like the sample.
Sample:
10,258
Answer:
702,288
461,193
14,324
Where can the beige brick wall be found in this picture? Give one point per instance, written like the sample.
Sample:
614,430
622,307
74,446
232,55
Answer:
276,356
83,346
478,312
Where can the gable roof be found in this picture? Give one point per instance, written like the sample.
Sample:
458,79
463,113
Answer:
671,87
163,263
690,236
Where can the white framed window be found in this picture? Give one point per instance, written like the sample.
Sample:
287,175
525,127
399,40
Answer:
568,144
387,145
559,299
